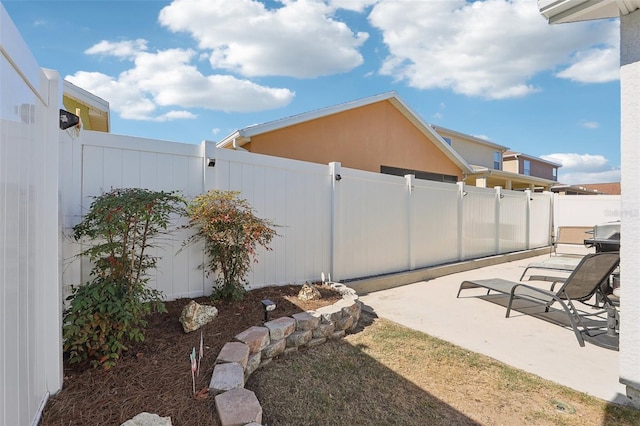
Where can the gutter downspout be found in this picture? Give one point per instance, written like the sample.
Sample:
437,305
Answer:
236,146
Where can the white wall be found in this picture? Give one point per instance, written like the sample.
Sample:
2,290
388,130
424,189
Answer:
586,210
30,307
630,224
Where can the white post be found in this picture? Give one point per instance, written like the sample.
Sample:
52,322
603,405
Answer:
50,318
334,172
527,193
412,218
630,223
499,197
461,195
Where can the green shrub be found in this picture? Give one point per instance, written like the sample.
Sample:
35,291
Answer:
109,311
231,232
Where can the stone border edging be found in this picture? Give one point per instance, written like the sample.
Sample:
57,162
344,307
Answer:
257,346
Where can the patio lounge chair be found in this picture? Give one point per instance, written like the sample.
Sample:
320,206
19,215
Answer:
556,263
584,282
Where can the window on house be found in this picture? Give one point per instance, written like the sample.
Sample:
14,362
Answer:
527,168
555,173
438,177
497,160
447,140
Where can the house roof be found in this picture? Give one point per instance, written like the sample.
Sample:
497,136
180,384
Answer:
242,136
471,138
611,188
515,177
96,108
561,11
576,189
515,155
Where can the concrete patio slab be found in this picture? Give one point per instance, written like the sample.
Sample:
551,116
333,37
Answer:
522,341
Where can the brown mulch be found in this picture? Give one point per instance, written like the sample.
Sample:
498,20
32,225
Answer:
155,376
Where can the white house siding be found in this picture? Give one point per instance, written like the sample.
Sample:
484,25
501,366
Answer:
630,225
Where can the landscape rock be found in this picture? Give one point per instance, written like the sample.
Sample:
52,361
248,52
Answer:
148,419
309,292
195,315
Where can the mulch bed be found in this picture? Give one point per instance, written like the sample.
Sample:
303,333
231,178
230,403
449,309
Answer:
155,375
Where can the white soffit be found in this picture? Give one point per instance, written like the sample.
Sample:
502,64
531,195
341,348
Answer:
562,11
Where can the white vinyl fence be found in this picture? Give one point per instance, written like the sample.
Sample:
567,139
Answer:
30,308
586,210
343,222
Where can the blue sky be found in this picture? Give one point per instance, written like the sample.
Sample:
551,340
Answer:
190,70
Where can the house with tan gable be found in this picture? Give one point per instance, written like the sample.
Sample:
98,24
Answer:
382,134
378,134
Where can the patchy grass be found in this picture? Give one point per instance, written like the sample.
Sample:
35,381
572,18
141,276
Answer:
389,374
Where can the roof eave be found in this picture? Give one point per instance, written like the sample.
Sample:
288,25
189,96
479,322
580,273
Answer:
563,11
428,131
244,135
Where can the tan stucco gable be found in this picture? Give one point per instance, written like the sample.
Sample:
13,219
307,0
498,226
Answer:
363,138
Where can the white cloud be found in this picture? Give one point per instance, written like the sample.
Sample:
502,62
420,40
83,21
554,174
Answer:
589,124
578,178
176,115
298,39
483,137
165,79
583,168
125,49
489,48
355,5
594,66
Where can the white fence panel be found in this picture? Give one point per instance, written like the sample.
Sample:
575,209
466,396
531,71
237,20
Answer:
30,340
479,228
373,223
111,161
296,196
513,227
586,210
435,228
540,219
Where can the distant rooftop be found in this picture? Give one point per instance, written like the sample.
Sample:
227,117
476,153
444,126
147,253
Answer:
611,188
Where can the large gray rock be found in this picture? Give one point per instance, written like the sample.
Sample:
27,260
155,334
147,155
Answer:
309,292
148,419
195,315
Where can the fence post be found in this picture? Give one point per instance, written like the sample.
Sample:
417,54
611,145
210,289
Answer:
499,197
461,194
411,218
334,172
528,219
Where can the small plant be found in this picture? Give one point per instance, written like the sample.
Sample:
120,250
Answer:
110,310
231,232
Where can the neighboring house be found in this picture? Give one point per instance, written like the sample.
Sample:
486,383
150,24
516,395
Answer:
92,110
611,188
490,164
518,162
378,134
382,134
564,189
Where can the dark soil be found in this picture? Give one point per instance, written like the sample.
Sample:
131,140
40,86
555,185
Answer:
155,376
